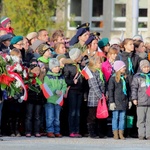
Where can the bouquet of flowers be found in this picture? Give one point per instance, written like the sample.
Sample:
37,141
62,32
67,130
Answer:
14,78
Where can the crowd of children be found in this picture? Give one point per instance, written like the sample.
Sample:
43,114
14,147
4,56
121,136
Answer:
118,70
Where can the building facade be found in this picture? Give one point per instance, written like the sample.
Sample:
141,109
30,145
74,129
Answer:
109,17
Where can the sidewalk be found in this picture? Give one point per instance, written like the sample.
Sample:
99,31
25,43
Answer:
66,143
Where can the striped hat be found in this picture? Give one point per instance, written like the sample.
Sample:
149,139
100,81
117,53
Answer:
4,21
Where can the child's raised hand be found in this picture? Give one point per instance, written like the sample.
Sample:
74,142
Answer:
58,92
135,102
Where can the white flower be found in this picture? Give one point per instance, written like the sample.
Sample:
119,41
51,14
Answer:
8,58
18,68
24,73
15,59
18,84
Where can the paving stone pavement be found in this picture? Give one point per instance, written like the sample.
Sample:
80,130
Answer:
66,143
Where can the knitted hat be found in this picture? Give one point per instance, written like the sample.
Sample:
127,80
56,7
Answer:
33,63
53,62
4,21
31,35
144,63
36,44
43,48
74,53
118,64
115,41
103,42
16,39
60,56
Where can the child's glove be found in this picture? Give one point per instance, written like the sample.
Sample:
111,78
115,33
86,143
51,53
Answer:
58,92
112,106
129,105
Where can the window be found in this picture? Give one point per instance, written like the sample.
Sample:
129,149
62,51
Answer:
74,13
119,15
143,20
97,14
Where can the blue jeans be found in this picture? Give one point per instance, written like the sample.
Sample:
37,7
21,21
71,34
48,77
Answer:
75,100
52,113
33,112
118,120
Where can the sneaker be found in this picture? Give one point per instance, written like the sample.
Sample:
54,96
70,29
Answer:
72,135
37,135
78,135
12,135
18,135
28,135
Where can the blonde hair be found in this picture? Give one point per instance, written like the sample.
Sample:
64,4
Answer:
118,76
15,52
112,50
93,62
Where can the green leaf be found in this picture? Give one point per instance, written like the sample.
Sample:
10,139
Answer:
3,87
34,89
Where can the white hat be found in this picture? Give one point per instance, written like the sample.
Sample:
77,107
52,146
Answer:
31,35
116,41
74,53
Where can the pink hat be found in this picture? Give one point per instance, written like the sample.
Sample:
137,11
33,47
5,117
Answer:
118,64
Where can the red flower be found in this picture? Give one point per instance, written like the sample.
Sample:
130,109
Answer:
5,79
33,81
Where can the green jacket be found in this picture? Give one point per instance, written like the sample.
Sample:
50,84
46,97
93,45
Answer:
82,48
55,82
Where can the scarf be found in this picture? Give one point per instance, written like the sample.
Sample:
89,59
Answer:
147,77
101,75
124,89
130,66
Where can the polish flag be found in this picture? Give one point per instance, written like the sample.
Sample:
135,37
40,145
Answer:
87,73
100,53
46,91
60,101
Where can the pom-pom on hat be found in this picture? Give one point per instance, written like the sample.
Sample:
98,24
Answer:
74,53
144,63
118,64
4,21
16,39
53,62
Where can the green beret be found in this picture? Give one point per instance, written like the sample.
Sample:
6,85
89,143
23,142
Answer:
16,39
103,42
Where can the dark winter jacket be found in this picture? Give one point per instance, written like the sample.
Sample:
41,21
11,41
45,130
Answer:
135,61
138,90
69,72
116,94
34,97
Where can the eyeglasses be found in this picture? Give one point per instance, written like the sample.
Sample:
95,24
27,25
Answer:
20,44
